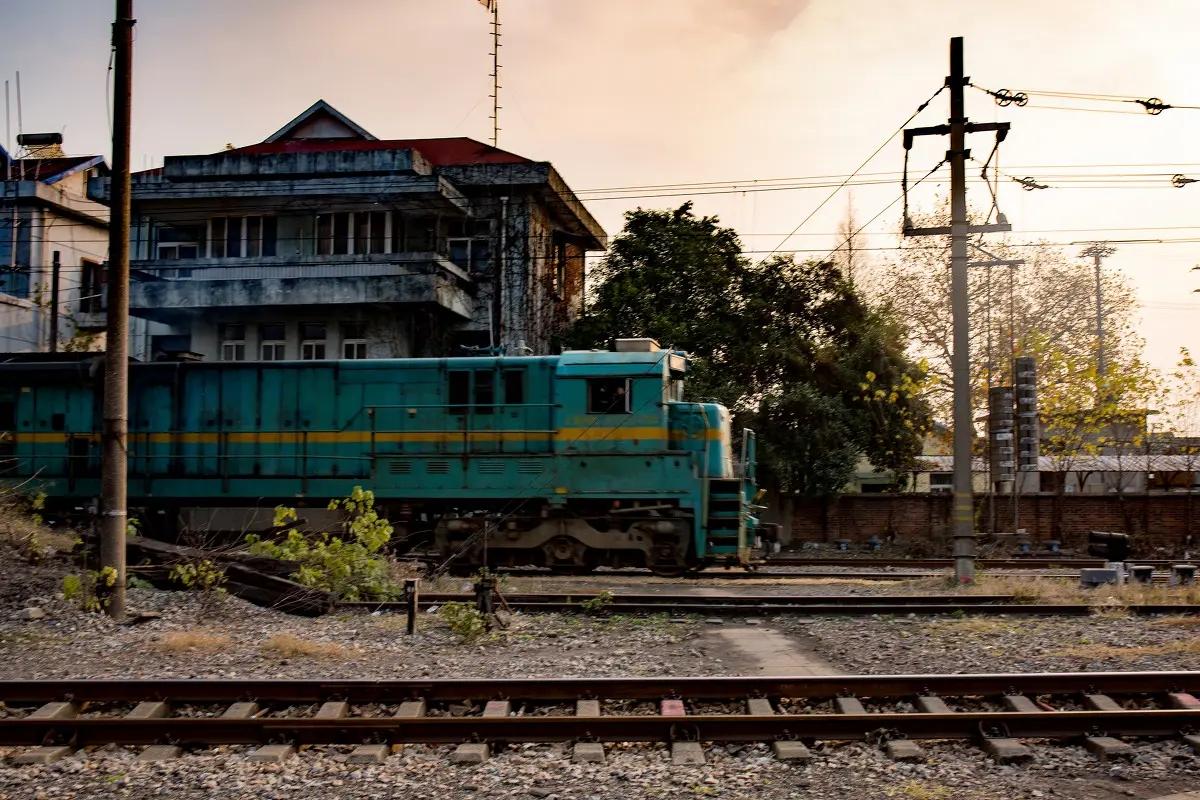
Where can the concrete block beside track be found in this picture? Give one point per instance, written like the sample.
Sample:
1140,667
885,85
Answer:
272,754
904,750
42,755
789,750
1106,747
685,753
160,752
471,753
588,752
1007,751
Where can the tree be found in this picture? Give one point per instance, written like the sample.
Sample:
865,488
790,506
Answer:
790,348
1047,303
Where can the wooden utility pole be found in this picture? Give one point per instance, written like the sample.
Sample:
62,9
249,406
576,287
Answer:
114,440
963,508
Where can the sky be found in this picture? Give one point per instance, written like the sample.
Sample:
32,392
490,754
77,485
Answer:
624,93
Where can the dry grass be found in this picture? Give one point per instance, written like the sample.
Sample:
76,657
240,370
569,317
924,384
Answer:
21,527
186,641
289,645
1179,620
975,626
1102,651
1034,589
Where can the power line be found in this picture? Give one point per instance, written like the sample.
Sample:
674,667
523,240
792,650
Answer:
866,161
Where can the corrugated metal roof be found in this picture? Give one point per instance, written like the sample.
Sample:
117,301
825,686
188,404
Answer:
1109,463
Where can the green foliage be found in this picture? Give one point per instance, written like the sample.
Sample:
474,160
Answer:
201,576
134,582
597,604
90,590
786,346
348,563
464,620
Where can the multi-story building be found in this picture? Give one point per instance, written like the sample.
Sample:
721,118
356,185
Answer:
53,244
323,242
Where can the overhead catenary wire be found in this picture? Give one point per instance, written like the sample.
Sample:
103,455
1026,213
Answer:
866,161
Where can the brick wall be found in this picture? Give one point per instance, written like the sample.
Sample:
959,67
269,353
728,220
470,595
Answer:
1156,520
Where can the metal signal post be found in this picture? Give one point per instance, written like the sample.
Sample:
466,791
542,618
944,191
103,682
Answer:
963,508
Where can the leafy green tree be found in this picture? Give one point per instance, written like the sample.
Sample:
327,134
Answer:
791,348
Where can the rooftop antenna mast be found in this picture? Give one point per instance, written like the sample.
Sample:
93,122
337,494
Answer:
494,7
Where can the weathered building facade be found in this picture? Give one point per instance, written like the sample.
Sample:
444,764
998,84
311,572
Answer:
53,244
324,242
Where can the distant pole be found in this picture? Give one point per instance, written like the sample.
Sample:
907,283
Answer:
55,271
1099,251
113,511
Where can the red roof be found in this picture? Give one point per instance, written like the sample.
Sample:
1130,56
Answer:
446,152
39,169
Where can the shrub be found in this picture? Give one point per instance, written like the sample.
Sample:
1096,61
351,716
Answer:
90,589
464,620
348,564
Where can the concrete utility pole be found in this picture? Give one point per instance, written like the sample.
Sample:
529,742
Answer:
114,455
963,509
1099,251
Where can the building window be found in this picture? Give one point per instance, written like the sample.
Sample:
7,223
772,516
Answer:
559,275
238,237
354,340
91,286
181,241
469,244
358,232
312,341
273,344
233,342
608,395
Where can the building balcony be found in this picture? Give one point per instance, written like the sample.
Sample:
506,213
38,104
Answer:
167,291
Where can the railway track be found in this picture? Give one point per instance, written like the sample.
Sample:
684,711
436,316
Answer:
995,711
1019,562
775,573
804,605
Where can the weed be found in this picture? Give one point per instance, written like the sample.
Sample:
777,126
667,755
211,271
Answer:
90,590
289,645
464,620
202,576
597,604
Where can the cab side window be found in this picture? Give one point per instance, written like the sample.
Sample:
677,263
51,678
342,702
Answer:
608,396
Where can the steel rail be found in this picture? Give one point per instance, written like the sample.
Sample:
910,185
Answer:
85,731
739,574
437,598
713,605
823,687
1032,562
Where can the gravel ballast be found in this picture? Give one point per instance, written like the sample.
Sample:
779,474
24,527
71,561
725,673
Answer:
226,637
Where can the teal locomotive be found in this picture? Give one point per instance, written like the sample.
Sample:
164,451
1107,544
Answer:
573,461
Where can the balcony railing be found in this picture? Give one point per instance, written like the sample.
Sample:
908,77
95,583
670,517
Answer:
268,267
